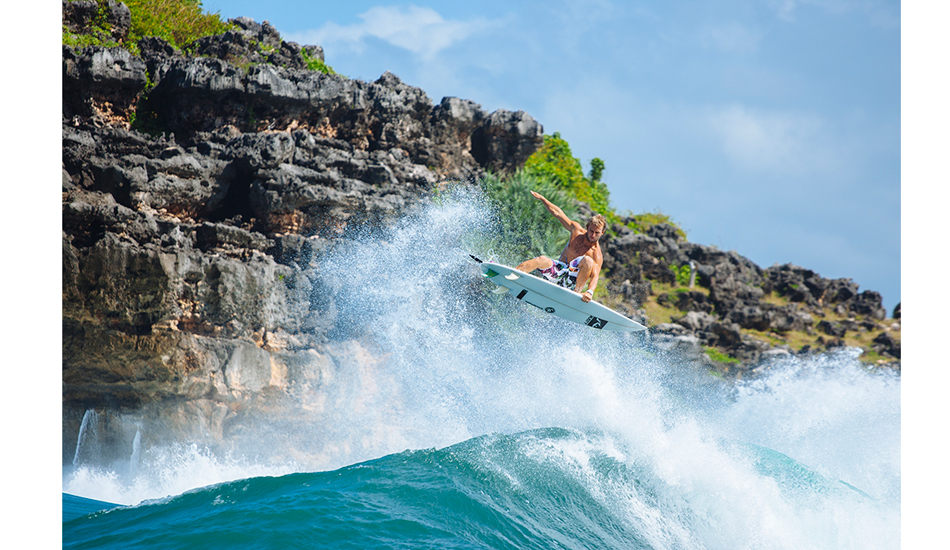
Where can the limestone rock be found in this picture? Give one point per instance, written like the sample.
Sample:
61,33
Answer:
506,139
191,254
82,16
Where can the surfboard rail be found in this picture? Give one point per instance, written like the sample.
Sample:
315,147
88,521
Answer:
555,299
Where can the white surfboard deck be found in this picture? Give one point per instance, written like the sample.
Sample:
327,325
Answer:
556,300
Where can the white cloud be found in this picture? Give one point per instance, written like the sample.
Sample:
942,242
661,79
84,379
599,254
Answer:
421,31
773,141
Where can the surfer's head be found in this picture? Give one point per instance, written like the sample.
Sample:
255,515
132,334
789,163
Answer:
595,227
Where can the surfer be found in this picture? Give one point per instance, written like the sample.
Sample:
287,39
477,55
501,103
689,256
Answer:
581,259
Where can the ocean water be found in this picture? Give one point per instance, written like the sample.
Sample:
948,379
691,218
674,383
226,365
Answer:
461,419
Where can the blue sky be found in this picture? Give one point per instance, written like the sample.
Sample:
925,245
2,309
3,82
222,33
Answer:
769,127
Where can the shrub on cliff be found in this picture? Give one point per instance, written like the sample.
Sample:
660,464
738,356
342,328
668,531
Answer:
315,63
180,22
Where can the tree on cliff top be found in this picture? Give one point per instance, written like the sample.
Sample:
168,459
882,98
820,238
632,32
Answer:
555,161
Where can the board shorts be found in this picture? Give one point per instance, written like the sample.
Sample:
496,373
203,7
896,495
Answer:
563,274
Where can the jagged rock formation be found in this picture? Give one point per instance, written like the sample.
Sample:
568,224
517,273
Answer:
727,305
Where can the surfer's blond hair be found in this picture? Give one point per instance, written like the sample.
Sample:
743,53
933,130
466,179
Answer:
599,221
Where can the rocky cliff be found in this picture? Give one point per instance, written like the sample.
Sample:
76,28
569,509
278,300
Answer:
200,190
196,186
698,299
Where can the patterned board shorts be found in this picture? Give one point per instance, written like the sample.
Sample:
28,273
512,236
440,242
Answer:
563,274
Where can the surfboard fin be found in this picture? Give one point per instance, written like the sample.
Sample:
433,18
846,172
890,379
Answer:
500,290
512,276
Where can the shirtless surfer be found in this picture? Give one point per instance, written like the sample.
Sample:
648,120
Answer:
581,259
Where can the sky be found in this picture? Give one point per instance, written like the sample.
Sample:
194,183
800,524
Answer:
769,127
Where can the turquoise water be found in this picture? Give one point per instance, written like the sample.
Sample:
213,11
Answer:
453,418
550,488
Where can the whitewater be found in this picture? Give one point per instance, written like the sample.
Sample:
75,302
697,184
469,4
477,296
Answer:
462,419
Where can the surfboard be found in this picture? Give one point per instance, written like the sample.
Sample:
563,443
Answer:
555,299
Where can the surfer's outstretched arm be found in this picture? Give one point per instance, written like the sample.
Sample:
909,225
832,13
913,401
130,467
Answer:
556,211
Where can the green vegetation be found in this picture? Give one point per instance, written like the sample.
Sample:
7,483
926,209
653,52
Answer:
315,64
100,33
596,170
95,38
719,356
682,274
555,162
180,22
526,229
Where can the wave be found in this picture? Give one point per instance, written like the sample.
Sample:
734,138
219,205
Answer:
545,488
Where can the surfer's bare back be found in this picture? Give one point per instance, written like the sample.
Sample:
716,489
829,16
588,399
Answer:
581,259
